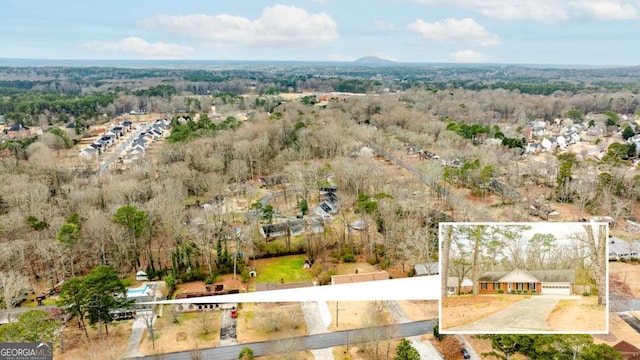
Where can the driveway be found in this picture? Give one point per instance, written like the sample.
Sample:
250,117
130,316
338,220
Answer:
525,316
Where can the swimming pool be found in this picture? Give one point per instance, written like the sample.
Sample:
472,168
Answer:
146,290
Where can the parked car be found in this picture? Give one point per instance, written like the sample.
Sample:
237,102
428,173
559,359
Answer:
465,353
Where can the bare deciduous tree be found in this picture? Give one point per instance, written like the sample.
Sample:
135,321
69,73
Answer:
12,285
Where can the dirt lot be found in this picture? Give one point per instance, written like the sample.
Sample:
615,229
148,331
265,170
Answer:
187,334
459,310
358,314
419,310
111,347
578,315
628,273
270,321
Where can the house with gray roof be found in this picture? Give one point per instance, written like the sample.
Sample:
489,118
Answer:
534,281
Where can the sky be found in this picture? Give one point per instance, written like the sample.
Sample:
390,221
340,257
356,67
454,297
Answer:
563,32
564,232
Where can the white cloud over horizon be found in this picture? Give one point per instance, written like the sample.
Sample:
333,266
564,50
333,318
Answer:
468,56
140,48
546,11
466,31
278,26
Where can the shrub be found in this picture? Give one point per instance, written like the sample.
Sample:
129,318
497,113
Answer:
411,273
348,258
245,275
519,291
373,260
324,278
586,293
500,291
525,292
246,354
512,292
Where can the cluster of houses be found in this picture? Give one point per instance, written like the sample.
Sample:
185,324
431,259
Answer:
106,140
328,206
159,129
549,140
136,146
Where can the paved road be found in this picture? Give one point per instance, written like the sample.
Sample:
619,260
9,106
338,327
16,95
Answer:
425,348
310,342
527,316
622,305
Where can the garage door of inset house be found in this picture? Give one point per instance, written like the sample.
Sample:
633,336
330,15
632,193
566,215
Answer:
556,288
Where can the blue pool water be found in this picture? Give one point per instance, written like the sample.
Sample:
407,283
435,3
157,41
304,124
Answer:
138,291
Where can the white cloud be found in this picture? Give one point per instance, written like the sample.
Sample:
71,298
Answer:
468,56
546,11
280,26
605,10
384,25
140,48
465,31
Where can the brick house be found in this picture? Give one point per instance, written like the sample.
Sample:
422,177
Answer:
535,282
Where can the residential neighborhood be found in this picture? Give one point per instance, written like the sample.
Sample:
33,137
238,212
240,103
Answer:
213,212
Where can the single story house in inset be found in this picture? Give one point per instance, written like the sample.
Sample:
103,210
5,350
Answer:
359,277
535,281
428,268
452,285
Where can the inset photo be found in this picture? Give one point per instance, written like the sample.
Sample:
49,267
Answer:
540,277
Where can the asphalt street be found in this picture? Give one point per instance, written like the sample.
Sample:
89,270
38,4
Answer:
310,342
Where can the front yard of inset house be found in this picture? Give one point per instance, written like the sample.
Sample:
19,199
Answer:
464,309
583,314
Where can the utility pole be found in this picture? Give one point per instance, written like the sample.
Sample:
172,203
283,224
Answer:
235,253
336,314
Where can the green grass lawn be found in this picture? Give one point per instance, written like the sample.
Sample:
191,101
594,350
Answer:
288,268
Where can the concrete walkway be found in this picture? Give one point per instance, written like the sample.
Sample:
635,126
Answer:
315,315
525,316
425,348
137,331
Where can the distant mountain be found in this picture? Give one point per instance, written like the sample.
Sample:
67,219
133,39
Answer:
373,60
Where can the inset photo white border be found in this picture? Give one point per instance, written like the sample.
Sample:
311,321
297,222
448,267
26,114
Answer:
511,278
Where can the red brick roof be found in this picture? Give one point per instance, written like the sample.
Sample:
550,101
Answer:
627,350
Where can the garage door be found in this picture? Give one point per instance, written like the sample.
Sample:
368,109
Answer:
556,289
